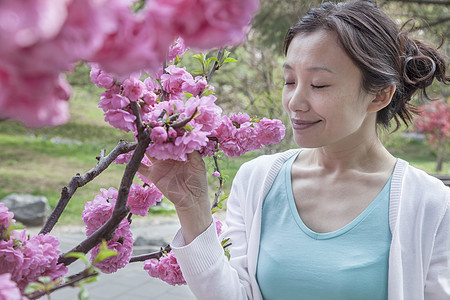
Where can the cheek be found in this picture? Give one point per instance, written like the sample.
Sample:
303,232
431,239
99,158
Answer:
285,101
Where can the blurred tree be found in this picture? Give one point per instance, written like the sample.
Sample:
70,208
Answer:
434,121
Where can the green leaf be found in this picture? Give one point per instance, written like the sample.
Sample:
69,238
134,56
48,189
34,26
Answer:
103,253
214,59
227,253
79,255
225,241
91,279
33,287
177,60
189,95
45,279
229,59
83,294
197,72
207,92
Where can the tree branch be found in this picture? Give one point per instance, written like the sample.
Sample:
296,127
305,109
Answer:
81,180
120,209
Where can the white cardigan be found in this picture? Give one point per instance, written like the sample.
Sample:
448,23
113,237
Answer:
419,218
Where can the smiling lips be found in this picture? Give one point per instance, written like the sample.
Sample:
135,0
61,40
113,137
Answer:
302,124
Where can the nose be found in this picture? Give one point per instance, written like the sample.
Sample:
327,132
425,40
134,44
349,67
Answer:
297,99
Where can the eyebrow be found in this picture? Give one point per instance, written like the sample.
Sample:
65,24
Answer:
312,68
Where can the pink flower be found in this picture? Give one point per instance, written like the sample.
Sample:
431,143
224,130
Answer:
95,214
158,135
122,242
194,86
240,118
11,258
149,99
209,149
121,119
100,78
110,100
36,100
8,288
166,269
29,258
6,219
40,40
218,224
209,112
215,174
41,254
172,82
139,42
123,158
142,198
247,137
133,89
98,211
151,84
177,49
270,131
206,24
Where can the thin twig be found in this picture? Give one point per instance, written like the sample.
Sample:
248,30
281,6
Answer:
184,122
153,255
219,190
216,64
72,280
81,180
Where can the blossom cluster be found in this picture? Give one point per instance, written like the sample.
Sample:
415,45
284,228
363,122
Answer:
180,113
98,211
239,134
26,258
42,39
95,214
166,267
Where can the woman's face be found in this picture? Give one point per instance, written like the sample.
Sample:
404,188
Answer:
322,93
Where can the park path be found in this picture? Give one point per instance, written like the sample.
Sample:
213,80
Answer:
131,282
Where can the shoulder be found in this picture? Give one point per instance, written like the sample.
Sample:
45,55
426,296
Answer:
426,191
423,183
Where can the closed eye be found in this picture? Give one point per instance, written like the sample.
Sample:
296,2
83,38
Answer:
319,86
288,83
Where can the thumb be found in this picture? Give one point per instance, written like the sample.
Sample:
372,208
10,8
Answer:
144,169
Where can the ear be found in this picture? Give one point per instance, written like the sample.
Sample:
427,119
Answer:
381,99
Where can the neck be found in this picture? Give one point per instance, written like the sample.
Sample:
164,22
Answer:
366,154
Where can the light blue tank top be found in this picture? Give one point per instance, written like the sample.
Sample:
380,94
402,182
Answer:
294,262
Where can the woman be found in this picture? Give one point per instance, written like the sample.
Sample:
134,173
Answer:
343,218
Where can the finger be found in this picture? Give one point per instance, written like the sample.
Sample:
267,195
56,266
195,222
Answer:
144,169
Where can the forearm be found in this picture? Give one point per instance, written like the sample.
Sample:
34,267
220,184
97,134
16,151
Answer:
195,219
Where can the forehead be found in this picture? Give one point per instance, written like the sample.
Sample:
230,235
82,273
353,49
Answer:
320,51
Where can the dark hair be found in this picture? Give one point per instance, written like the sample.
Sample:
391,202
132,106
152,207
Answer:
384,54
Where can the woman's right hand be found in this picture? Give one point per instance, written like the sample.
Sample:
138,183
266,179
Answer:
185,184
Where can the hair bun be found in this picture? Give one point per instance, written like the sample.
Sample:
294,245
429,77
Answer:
419,71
